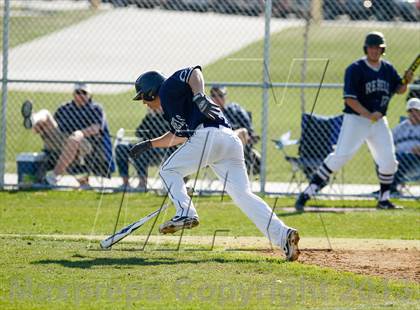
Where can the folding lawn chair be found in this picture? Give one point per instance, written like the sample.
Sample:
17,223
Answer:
319,134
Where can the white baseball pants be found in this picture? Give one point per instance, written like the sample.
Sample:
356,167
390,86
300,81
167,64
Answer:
354,132
223,152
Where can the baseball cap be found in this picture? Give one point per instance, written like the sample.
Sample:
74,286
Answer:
82,86
413,103
219,89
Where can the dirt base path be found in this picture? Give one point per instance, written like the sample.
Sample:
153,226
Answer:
401,264
391,259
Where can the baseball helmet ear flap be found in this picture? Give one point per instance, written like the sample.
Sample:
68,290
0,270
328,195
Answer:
374,38
148,84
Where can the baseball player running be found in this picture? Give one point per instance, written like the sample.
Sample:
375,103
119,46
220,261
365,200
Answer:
369,84
207,140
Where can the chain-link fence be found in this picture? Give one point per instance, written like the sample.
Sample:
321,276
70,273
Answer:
279,60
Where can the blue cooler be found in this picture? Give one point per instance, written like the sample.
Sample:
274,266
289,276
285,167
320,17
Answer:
29,167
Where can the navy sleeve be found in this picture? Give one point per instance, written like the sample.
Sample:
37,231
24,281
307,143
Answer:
396,80
351,78
184,75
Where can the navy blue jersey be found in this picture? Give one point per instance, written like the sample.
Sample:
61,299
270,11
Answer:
179,110
372,87
238,117
71,117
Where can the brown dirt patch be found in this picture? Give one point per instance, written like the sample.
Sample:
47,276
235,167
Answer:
390,259
401,264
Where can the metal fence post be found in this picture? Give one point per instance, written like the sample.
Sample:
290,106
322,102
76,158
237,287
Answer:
3,124
265,98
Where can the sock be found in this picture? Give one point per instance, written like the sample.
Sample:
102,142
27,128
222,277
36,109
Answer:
322,175
384,192
385,182
312,189
319,180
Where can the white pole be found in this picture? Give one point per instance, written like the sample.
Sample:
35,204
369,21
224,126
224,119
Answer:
305,62
266,88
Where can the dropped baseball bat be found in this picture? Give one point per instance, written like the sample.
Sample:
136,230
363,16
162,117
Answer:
118,236
413,67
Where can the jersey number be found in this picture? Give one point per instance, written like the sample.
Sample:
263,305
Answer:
385,100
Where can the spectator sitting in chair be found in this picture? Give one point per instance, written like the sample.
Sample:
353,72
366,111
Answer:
414,93
76,138
241,123
407,145
152,125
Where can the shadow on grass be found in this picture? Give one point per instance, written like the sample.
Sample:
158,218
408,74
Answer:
294,213
135,261
325,209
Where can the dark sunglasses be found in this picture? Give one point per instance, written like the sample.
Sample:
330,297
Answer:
81,92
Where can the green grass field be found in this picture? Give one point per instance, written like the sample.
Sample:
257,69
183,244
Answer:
49,262
337,44
36,213
57,273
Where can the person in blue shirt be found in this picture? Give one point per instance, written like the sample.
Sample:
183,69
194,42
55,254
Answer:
369,84
76,138
241,122
152,125
206,139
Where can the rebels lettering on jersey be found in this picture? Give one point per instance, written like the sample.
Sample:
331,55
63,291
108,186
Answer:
179,110
372,87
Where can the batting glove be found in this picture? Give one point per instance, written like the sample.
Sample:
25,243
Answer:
206,106
139,148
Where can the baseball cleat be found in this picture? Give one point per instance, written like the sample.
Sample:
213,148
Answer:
291,249
387,205
301,201
26,111
178,223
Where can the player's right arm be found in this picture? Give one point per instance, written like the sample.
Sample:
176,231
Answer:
164,141
167,140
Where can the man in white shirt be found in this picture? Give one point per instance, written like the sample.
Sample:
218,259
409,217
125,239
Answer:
407,145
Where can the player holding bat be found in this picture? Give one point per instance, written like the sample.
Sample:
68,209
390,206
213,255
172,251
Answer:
369,84
207,140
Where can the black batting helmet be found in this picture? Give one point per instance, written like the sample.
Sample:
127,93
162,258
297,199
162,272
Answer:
374,38
148,85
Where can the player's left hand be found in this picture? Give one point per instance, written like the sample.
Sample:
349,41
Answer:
375,116
139,148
